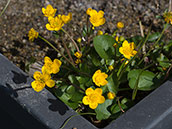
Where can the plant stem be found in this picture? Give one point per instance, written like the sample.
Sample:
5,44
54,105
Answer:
56,50
75,116
154,44
74,43
119,104
68,52
5,7
137,81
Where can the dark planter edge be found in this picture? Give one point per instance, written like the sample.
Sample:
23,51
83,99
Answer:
44,111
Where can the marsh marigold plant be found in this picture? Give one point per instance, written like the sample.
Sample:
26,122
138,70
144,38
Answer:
96,73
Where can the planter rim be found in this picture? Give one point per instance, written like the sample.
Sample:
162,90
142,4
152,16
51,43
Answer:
153,112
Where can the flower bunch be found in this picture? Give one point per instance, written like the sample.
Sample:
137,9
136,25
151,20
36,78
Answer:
113,67
55,22
44,78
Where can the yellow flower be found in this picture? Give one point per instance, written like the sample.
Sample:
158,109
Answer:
77,61
99,78
127,49
79,40
110,68
49,11
88,11
41,80
93,97
32,34
78,55
168,17
120,25
54,23
100,32
67,18
96,18
117,38
51,66
111,95
115,45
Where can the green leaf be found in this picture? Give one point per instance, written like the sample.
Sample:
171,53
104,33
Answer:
154,37
101,111
65,98
70,89
73,79
77,97
163,61
112,83
103,45
147,80
95,57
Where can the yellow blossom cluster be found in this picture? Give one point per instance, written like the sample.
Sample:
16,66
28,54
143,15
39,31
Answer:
94,97
168,17
44,78
96,18
78,55
33,34
55,22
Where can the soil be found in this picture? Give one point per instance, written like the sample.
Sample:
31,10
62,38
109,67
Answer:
21,15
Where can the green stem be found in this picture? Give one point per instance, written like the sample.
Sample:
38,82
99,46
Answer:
154,44
74,43
68,52
75,116
137,81
56,50
119,104
5,8
120,69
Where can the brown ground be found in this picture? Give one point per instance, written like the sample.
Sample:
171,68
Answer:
21,15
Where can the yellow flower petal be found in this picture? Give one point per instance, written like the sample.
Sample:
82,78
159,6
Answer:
85,100
89,91
49,27
100,13
50,83
132,45
88,11
125,44
37,75
67,18
47,60
101,99
46,77
98,91
93,105
93,12
37,86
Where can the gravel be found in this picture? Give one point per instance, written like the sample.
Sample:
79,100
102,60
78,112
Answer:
21,15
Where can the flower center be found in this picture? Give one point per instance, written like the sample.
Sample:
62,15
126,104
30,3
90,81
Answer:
93,98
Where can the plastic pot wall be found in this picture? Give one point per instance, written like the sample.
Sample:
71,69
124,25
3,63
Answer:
44,111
